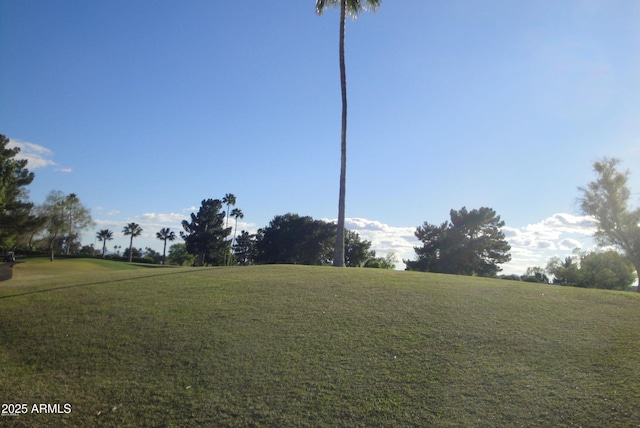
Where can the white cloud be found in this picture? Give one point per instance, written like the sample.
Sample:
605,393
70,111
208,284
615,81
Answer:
558,235
385,238
161,218
37,156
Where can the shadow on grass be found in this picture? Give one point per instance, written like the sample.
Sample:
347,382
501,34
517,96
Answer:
110,281
6,271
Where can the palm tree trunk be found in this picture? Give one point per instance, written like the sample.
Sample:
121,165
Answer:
164,251
338,254
235,229
225,241
131,248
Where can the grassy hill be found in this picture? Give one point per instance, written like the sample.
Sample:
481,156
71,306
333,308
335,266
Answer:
313,346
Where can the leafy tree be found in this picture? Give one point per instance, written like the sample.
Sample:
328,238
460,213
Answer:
205,235
132,230
357,251
470,244
15,210
179,255
88,250
78,218
103,236
153,256
607,200
564,272
352,7
132,253
165,235
64,216
244,249
535,274
608,270
387,262
293,239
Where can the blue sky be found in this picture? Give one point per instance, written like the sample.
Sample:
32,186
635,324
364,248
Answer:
144,108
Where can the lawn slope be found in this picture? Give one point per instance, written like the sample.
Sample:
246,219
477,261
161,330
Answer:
314,346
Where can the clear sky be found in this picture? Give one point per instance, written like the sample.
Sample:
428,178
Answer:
145,108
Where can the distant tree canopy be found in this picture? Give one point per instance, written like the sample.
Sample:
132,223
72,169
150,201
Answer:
245,249
608,270
607,200
470,244
295,239
535,274
356,251
205,235
179,255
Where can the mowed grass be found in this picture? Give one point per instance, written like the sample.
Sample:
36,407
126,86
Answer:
316,346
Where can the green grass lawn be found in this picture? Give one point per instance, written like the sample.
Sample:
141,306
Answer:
314,346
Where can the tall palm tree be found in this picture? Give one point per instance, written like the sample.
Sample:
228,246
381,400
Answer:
165,235
353,8
228,199
104,235
133,230
236,213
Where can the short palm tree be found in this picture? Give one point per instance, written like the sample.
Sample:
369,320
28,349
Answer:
165,235
133,230
352,7
104,235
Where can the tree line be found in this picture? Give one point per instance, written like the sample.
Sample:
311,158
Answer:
471,242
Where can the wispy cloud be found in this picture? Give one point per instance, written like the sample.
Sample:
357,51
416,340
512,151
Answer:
37,156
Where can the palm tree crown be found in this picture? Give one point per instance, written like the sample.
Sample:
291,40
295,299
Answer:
104,235
165,235
353,7
133,230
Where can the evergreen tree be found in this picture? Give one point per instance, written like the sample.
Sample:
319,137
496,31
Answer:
244,248
205,235
471,243
15,210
